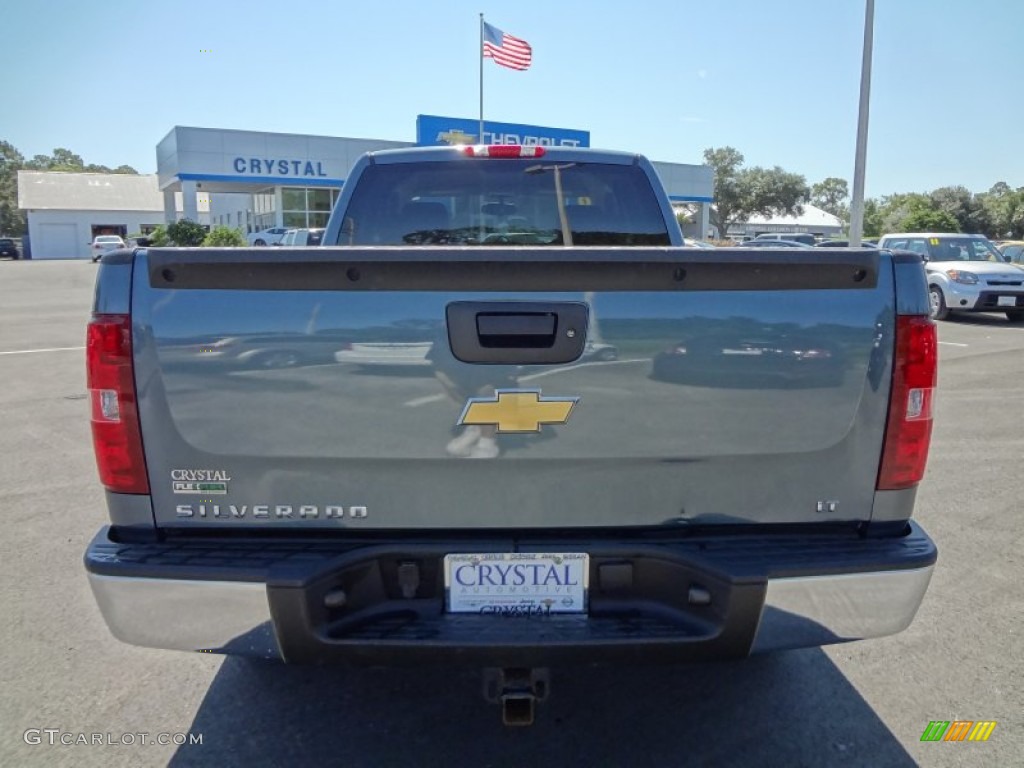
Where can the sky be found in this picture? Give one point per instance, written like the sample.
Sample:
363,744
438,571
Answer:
778,81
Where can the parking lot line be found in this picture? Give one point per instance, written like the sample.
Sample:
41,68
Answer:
953,344
34,351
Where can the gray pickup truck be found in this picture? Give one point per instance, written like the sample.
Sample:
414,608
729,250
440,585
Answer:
438,460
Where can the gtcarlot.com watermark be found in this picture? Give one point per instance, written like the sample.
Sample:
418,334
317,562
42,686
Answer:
56,737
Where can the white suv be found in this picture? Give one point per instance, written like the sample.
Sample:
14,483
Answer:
965,273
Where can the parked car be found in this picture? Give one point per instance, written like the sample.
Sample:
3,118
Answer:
255,351
742,357
965,273
1013,251
8,248
101,244
692,243
266,236
774,244
845,244
301,237
793,237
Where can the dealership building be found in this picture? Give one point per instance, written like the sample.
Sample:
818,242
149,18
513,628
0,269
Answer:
252,181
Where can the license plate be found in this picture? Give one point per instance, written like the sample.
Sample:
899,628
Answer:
1007,301
517,583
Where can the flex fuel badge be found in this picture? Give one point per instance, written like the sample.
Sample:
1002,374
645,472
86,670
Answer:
211,481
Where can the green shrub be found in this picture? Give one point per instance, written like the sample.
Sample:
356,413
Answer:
158,237
224,237
186,233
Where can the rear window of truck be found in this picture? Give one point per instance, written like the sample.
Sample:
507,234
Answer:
503,202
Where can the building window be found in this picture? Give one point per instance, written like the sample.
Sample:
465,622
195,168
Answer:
293,199
307,207
319,200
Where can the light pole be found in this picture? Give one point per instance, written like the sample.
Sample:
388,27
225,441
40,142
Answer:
857,202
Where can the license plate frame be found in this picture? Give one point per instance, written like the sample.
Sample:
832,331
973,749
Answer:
1006,301
517,583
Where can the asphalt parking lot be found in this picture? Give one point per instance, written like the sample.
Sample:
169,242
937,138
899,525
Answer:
857,704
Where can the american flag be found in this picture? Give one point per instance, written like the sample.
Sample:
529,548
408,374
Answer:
506,50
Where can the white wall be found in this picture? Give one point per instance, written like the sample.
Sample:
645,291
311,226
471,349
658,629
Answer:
67,234
229,205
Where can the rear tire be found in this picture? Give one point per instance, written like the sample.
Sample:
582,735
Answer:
938,303
259,241
1015,317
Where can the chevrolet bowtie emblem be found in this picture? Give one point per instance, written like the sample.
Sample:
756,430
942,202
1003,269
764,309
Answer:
517,410
456,137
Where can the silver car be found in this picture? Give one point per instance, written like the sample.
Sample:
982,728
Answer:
965,273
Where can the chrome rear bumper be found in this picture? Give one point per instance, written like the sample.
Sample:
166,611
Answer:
762,594
222,616
819,610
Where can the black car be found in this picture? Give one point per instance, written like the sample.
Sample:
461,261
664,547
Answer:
8,248
845,244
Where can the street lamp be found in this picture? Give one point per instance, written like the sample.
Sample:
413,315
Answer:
857,202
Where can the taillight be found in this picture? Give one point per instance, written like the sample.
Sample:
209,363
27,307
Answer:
116,438
503,150
909,427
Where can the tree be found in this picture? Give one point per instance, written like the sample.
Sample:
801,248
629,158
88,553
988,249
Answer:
67,161
186,233
830,195
872,218
726,163
12,220
224,237
894,209
61,160
911,212
1005,210
923,219
963,206
744,192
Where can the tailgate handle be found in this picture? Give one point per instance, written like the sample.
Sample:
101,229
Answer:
517,332
519,329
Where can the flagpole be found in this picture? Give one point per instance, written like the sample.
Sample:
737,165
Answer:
480,53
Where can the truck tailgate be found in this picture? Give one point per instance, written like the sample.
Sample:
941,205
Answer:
317,388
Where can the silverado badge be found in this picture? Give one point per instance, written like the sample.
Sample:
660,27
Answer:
517,410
